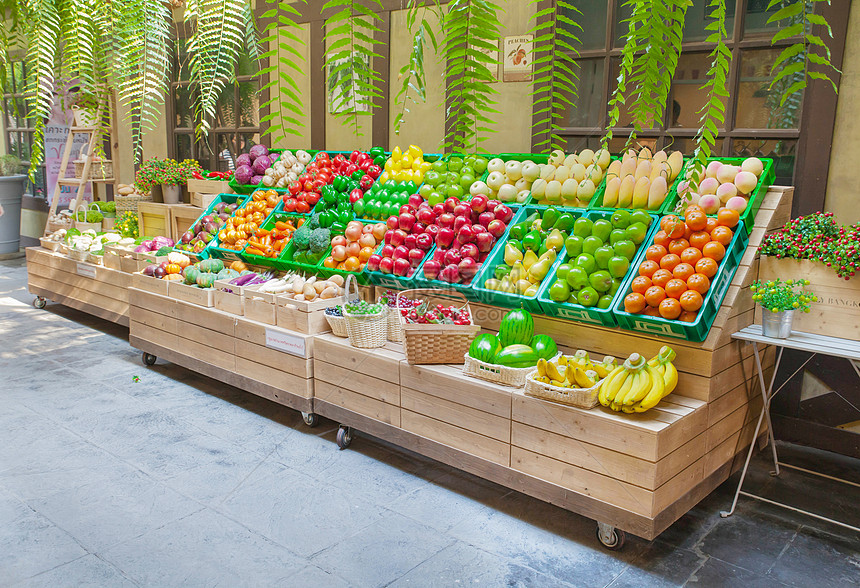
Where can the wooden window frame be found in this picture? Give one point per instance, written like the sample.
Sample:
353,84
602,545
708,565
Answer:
25,133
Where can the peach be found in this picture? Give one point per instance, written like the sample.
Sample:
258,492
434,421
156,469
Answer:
753,165
712,169
708,186
746,182
709,203
738,203
726,191
727,173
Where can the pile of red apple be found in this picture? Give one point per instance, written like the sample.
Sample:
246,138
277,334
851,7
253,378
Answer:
463,232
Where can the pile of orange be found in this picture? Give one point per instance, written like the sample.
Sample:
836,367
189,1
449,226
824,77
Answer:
680,264
351,250
246,221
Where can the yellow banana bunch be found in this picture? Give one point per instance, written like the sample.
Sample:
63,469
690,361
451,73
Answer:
574,371
639,385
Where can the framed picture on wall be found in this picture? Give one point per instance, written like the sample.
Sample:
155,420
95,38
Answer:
517,60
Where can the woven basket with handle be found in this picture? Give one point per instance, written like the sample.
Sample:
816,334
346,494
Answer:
436,343
366,331
578,397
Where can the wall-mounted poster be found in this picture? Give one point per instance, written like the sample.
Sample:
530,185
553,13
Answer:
517,62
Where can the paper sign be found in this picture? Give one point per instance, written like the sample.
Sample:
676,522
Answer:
86,270
517,61
285,342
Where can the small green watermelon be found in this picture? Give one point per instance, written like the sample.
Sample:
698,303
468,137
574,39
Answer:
544,346
485,347
518,327
517,356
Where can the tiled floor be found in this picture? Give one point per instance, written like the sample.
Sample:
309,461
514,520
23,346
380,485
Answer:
177,480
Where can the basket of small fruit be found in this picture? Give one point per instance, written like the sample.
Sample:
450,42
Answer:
572,380
389,299
510,356
366,323
439,329
337,322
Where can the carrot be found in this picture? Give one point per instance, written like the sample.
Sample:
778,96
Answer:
254,251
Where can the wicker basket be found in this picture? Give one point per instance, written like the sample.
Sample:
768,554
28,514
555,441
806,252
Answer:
53,227
50,244
578,397
434,344
367,331
76,254
99,170
395,329
128,203
337,324
500,374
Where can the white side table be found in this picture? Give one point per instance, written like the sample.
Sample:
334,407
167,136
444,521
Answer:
810,343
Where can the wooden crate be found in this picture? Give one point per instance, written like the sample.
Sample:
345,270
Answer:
363,381
153,218
837,311
191,294
202,199
149,284
305,317
181,218
208,187
260,306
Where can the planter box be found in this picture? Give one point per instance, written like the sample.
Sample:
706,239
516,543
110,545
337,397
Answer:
837,312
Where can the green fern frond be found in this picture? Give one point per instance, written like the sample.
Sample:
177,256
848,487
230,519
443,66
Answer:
412,75
42,53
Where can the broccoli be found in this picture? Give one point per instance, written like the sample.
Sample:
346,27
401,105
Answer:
302,237
320,240
314,223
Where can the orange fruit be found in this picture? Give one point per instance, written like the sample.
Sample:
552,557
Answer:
634,303
661,238
712,222
673,226
648,267
699,283
655,252
676,246
654,295
683,271
727,217
670,261
699,239
691,255
722,235
714,250
640,284
707,267
365,254
691,301
329,262
675,288
670,309
351,264
660,277
651,311
693,207
688,317
696,220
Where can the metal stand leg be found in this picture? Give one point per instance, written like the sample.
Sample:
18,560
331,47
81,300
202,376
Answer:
766,398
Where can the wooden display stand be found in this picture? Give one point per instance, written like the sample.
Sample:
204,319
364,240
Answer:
153,219
181,217
638,473
94,289
262,359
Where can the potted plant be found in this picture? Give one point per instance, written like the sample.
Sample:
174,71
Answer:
778,301
168,173
12,185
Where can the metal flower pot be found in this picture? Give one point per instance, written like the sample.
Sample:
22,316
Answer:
172,193
776,324
11,193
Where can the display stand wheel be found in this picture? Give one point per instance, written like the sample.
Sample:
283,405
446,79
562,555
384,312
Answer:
610,537
344,436
311,419
148,358
40,302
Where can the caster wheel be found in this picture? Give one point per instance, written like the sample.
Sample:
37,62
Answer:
311,419
610,537
39,302
344,437
148,358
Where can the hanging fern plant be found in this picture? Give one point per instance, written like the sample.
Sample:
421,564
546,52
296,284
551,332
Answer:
285,63
472,31
554,70
352,81
44,34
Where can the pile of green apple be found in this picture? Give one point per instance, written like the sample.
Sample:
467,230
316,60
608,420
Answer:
453,178
598,255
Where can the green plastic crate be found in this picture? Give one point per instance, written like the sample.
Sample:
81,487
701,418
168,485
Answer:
287,261
765,181
596,202
699,329
229,199
585,314
398,282
486,296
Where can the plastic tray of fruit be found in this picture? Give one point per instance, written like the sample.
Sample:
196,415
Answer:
698,329
389,279
327,266
217,250
513,198
537,194
436,177
249,188
765,180
599,307
497,265
229,199
597,202
273,262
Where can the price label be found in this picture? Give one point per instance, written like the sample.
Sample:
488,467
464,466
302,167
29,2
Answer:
86,270
285,342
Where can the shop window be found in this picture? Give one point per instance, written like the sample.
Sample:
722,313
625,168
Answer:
758,105
18,129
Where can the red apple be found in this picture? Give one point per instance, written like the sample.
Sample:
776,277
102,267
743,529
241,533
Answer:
503,213
401,266
386,266
486,217
397,237
392,222
496,228
401,252
468,268
424,241
439,256
387,250
452,256
483,257
478,228
461,222
432,230
410,241
415,257
450,274
438,209
406,208
478,203
492,205
415,200
373,262
470,250
431,269
445,237
466,234
446,219
406,220
462,209
425,215
450,204
418,228
484,241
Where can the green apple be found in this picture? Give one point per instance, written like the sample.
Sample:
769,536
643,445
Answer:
602,256
601,229
625,248
582,227
561,272
640,216
480,164
600,281
616,285
577,278
573,246
586,262
559,291
618,266
621,219
636,232
588,297
604,301
591,244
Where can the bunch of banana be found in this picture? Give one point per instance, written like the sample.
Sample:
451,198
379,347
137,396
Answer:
574,371
638,385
